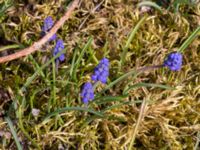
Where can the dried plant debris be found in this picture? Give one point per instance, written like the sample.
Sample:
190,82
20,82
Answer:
52,107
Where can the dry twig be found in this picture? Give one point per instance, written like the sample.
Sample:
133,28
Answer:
37,45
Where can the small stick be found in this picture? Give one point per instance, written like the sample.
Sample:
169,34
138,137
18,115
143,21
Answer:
37,45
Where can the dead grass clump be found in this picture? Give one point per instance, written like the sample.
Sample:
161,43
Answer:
170,119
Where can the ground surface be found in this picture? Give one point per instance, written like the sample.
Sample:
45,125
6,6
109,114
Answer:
167,103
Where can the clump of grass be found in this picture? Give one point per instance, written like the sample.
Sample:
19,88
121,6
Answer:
156,109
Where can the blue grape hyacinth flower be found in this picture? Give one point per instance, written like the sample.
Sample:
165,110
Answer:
58,48
101,71
87,93
48,24
173,61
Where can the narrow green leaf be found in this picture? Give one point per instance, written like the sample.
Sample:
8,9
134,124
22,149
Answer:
189,39
90,119
132,72
121,104
77,64
92,53
189,2
21,126
108,99
152,4
10,124
53,92
131,36
14,46
73,62
37,66
30,79
4,6
138,85
33,98
61,110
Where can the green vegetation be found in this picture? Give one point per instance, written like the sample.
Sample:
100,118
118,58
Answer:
138,109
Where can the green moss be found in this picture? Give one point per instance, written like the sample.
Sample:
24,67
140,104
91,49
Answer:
171,119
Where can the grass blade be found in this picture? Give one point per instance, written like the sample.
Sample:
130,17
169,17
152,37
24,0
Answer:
77,64
4,6
131,36
133,72
37,66
14,46
21,126
10,124
152,4
138,85
189,39
73,62
30,79
121,104
89,120
108,99
61,110
52,100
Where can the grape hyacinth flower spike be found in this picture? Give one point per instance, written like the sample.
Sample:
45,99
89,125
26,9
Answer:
87,93
48,24
101,72
58,48
173,61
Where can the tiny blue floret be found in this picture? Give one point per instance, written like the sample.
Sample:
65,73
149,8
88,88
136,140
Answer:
87,93
174,61
48,24
101,72
58,48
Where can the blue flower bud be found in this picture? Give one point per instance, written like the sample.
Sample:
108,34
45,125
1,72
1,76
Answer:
58,48
48,24
174,61
87,93
101,71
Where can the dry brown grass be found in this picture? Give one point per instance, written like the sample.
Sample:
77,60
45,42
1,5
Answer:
170,119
